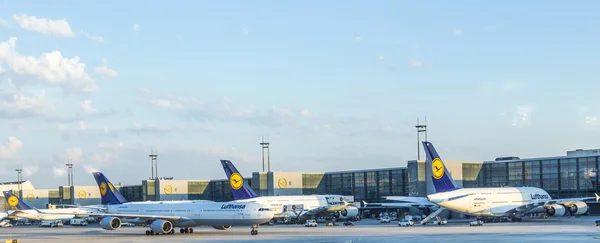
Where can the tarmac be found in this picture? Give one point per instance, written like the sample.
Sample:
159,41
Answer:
563,229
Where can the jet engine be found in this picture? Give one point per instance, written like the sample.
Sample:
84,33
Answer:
427,211
350,212
110,223
555,210
221,227
578,208
161,226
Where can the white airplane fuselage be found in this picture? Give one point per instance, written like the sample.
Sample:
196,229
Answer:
197,213
50,214
495,201
283,206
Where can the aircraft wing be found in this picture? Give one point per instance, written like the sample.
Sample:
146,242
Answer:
568,202
126,216
137,216
325,210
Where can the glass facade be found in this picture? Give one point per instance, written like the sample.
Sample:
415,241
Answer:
561,177
368,185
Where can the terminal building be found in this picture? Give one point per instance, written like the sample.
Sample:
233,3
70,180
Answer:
572,175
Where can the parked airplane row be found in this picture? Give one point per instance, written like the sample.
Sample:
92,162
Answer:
249,209
163,216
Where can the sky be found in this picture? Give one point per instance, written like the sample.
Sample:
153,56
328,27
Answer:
335,85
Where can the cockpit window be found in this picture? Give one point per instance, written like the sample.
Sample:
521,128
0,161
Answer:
264,209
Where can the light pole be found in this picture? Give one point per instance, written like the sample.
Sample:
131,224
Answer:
154,160
20,181
420,129
70,174
265,145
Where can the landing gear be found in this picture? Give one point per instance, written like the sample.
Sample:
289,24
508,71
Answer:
151,232
517,219
254,231
186,230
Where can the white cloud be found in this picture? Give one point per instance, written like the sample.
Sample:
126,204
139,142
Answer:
59,172
245,31
179,37
227,110
30,170
74,155
457,32
224,152
306,113
3,23
94,37
87,108
522,116
149,128
136,28
2,70
324,126
282,112
51,67
82,125
105,71
415,63
15,103
45,26
591,119
90,169
11,148
387,129
165,103
380,58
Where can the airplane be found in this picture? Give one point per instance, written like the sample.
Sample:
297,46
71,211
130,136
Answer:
26,211
513,202
289,206
164,216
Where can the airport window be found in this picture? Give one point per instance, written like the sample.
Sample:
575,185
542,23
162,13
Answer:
515,175
568,175
587,174
532,173
496,174
550,174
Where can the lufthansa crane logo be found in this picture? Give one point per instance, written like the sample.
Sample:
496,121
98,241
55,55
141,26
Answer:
438,168
30,197
13,201
103,188
236,181
282,183
168,189
82,194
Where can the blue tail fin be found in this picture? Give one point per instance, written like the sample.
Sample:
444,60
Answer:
15,201
108,193
238,186
442,180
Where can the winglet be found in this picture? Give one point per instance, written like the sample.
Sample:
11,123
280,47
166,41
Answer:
15,201
108,193
239,188
365,203
597,197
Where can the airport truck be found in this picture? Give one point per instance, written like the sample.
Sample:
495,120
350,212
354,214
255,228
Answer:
78,222
51,223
